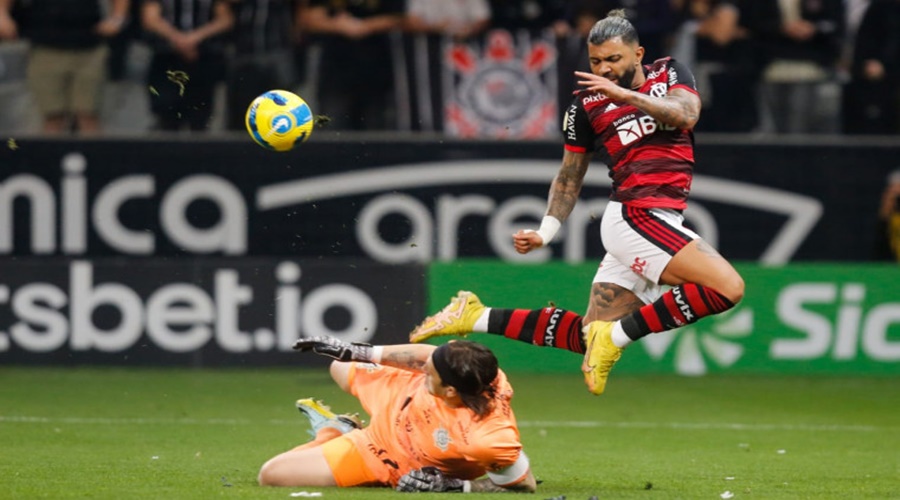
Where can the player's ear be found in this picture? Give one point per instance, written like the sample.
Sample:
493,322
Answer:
450,392
639,54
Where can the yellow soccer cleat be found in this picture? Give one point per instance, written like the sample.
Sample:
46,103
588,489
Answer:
457,318
600,356
321,416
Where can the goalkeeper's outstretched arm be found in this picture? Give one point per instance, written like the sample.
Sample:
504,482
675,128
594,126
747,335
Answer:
405,356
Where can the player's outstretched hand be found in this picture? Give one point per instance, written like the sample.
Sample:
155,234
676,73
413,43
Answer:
429,479
334,348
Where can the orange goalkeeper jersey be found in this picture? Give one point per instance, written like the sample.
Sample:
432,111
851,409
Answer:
410,428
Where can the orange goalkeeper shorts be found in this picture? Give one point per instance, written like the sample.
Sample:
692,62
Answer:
347,464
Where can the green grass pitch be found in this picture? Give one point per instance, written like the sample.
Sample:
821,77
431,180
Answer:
180,433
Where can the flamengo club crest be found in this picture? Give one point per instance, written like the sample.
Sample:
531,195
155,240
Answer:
506,89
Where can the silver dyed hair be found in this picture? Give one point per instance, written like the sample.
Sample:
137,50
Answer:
615,24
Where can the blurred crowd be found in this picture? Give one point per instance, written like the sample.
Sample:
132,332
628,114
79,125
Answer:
769,66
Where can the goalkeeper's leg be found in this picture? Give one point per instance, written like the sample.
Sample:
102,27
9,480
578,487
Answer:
337,462
306,467
323,436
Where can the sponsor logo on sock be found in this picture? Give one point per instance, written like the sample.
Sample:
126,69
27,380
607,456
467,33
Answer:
685,308
550,331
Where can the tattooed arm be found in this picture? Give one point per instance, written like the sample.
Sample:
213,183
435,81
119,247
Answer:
567,184
680,108
406,356
564,193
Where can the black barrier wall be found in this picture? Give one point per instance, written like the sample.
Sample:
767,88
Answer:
412,201
209,252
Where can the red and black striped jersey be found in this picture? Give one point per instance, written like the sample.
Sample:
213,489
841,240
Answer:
651,164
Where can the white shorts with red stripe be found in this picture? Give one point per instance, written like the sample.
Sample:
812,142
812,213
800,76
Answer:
639,244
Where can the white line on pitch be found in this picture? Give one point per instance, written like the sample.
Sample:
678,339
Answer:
526,423
710,426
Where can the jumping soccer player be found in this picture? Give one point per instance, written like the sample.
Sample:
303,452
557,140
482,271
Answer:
440,419
638,119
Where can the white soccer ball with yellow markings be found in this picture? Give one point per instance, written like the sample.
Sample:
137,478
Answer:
279,120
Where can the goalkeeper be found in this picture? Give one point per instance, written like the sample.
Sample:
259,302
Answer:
440,421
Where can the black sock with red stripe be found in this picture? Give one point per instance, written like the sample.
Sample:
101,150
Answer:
549,326
679,306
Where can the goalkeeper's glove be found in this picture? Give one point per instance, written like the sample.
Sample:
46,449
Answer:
334,348
431,479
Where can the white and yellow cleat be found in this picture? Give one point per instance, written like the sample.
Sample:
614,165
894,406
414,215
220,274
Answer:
600,355
457,318
321,416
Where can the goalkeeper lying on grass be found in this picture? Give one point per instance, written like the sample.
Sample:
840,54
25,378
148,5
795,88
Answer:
440,420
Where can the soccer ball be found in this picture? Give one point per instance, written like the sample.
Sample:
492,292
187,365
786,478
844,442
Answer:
279,120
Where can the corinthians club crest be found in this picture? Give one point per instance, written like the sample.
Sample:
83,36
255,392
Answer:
441,438
506,89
